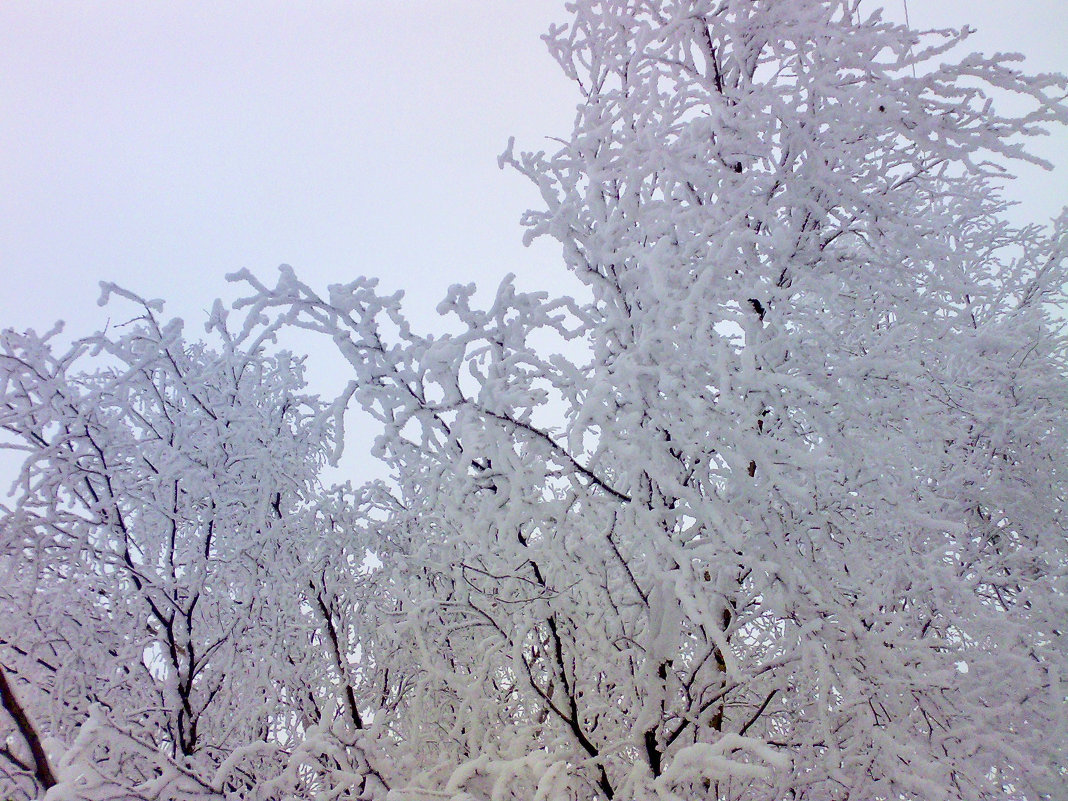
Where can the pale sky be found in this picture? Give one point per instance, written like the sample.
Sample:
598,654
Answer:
162,145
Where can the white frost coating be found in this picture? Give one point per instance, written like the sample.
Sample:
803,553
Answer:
710,761
723,529
171,558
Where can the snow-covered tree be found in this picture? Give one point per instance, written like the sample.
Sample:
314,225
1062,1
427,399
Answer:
776,509
175,589
772,508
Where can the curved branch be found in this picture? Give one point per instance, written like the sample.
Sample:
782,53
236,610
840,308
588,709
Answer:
42,770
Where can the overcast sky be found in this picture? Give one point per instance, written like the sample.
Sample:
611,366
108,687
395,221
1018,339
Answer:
164,144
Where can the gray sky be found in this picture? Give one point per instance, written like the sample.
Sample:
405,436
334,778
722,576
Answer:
163,144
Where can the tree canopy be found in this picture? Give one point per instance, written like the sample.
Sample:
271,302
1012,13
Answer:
772,508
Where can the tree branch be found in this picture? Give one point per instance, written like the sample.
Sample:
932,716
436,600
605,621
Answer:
42,770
